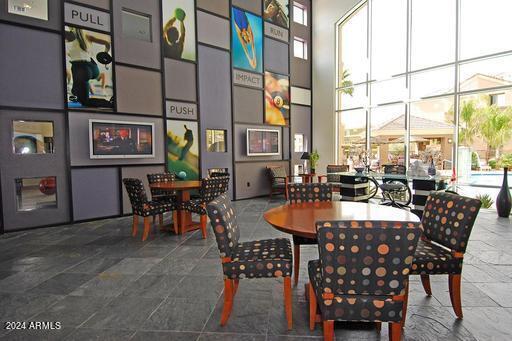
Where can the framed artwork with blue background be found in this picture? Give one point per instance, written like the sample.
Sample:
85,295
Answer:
246,40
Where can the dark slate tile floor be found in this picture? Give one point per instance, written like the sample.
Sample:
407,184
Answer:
102,284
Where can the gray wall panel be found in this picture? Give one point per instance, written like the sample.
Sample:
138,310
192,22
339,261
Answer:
14,166
138,173
135,51
95,192
286,143
212,30
79,139
241,144
31,68
276,56
220,7
54,16
300,69
248,105
105,4
215,105
180,80
300,124
250,5
252,178
138,91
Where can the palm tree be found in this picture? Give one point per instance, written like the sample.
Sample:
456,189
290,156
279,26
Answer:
346,83
495,128
469,123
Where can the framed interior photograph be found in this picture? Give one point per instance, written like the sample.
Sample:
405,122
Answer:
32,137
136,25
183,149
121,139
216,140
276,12
262,142
37,9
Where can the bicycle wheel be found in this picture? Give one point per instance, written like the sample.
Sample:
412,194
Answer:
373,187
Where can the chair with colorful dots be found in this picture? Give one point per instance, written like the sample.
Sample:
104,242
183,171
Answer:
299,193
362,273
267,258
447,223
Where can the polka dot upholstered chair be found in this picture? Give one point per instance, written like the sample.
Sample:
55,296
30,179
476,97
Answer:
163,195
298,193
142,207
255,259
210,189
447,223
362,273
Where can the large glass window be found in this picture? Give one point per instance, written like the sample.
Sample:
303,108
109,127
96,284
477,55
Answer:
422,81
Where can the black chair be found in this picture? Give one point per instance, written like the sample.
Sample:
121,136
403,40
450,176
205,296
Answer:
332,177
210,189
142,207
395,191
163,195
311,192
362,273
267,258
279,180
447,223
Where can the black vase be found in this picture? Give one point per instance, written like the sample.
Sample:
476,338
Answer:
503,201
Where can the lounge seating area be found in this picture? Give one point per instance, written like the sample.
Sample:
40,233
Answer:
255,170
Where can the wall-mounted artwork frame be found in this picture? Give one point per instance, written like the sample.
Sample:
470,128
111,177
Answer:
110,139
89,69
277,12
37,9
246,40
31,137
182,142
277,99
216,140
179,29
136,25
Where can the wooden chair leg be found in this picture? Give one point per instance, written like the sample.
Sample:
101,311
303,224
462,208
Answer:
405,303
135,225
175,222
202,222
425,281
288,301
378,326
312,306
161,221
235,286
395,331
296,264
328,330
228,301
454,283
147,225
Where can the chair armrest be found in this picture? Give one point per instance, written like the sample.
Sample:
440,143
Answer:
320,177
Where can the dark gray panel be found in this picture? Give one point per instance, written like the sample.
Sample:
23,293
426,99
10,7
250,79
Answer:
215,104
54,16
138,91
134,51
212,30
79,139
250,5
276,56
180,80
300,124
300,69
30,68
31,166
138,173
105,4
286,143
241,144
252,178
248,105
95,192
220,7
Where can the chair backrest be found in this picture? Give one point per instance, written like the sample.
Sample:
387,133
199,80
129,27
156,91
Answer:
335,169
277,174
312,192
136,192
213,172
366,257
395,169
155,178
449,218
213,187
225,227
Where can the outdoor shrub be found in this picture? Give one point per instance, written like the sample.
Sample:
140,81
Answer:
486,200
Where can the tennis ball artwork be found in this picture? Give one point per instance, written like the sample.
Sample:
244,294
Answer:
182,175
179,14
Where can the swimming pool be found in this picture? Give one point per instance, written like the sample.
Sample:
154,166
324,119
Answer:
491,179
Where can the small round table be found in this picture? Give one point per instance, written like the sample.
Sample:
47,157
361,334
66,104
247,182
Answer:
182,188
299,219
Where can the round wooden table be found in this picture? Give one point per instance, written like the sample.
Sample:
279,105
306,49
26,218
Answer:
182,189
299,219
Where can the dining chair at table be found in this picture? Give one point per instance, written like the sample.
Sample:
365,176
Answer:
311,192
210,189
447,223
267,258
158,194
142,207
362,273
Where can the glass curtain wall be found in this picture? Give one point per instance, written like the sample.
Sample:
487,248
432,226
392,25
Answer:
429,81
